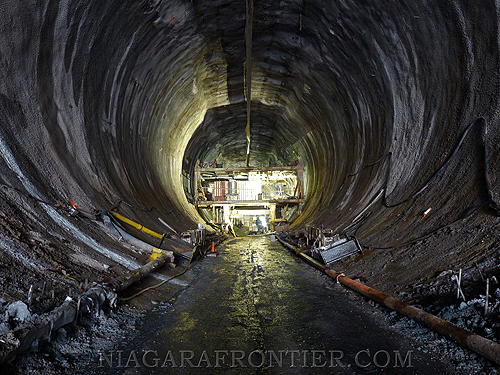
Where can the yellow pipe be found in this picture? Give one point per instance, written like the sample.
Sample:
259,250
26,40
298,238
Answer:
156,254
136,225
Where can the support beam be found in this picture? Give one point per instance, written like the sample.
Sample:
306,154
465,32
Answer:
250,202
249,169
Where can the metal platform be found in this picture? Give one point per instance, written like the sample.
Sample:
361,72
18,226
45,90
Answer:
250,202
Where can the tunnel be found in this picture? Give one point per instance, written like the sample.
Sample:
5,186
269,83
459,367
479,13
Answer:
392,108
371,99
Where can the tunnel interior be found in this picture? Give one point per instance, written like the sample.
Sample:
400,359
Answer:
392,108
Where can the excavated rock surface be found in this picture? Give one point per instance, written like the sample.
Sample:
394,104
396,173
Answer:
393,108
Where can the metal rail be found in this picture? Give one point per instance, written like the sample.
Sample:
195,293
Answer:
250,202
251,169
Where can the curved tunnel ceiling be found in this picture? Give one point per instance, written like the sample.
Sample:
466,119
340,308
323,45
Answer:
103,102
219,137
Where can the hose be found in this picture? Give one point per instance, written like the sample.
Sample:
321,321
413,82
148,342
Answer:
136,225
478,344
115,228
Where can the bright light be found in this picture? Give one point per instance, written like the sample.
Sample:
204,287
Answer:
263,221
250,213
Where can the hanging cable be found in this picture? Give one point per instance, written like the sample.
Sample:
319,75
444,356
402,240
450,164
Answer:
323,206
117,205
489,203
248,71
493,204
466,215
444,165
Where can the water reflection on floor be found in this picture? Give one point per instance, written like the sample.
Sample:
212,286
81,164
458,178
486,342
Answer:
256,309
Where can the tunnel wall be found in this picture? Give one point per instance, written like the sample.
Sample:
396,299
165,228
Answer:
99,100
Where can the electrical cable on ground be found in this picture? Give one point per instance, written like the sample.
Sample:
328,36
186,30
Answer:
160,284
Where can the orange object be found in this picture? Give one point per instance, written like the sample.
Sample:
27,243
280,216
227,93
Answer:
213,247
482,346
427,211
74,204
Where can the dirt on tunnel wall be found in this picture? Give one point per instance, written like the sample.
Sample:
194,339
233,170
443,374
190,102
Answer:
392,107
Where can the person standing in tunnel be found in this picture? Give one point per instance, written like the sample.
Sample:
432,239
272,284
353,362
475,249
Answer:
259,224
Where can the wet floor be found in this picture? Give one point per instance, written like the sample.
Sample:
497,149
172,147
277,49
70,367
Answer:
256,309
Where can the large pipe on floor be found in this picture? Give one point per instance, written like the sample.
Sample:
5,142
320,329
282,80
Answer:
121,283
478,344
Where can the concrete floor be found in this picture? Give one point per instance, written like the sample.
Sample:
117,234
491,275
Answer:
254,296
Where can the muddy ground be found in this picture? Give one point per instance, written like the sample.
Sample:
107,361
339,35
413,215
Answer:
41,258
77,347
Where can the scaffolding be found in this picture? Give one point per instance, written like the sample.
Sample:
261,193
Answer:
277,189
